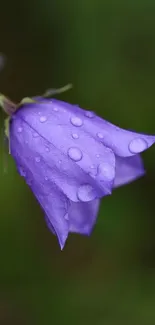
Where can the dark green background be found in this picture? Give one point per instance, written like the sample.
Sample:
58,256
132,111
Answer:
107,50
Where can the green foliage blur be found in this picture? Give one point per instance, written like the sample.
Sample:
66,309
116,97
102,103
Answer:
107,50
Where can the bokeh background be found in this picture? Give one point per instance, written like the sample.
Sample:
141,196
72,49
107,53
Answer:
107,50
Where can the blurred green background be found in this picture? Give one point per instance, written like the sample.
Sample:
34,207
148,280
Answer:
107,50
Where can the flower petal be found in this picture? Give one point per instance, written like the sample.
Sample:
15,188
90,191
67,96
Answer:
54,203
55,206
82,216
124,143
85,161
128,169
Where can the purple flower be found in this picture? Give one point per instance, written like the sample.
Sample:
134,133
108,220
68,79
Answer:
71,158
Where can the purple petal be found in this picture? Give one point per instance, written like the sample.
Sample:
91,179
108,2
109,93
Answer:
128,169
49,224
123,143
55,206
75,156
54,203
82,216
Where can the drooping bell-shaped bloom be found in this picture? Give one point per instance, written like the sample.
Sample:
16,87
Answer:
71,158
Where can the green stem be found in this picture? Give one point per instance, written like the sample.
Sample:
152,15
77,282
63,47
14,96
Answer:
53,91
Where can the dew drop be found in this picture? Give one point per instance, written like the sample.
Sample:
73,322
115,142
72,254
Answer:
60,161
76,121
35,134
37,159
106,172
86,193
22,171
75,136
100,135
46,178
66,216
20,130
43,119
89,114
75,154
97,156
55,109
93,172
47,149
138,145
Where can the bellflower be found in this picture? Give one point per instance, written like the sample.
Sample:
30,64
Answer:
71,158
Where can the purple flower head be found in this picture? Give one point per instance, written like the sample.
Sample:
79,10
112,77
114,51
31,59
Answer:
71,158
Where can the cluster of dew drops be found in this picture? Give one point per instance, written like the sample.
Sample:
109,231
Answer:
86,192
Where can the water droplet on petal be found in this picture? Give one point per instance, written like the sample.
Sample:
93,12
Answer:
60,161
20,130
75,136
37,159
106,172
22,171
43,119
138,145
47,149
86,193
100,135
66,216
89,114
75,154
93,173
76,121
46,178
35,135
55,109
98,156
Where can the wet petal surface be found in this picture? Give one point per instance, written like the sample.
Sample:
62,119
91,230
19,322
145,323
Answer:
124,143
54,203
77,149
